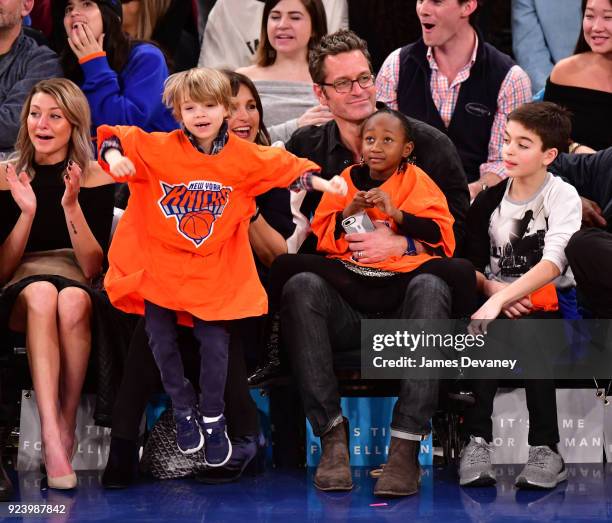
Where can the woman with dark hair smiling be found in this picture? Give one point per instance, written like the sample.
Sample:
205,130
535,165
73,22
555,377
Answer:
272,224
582,82
121,78
289,29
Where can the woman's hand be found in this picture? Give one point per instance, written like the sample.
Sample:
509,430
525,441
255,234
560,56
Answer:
317,115
358,204
82,41
21,190
72,181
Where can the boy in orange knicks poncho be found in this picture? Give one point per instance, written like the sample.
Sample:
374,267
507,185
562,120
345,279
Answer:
182,248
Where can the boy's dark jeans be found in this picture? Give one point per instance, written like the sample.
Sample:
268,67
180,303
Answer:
541,404
316,321
213,337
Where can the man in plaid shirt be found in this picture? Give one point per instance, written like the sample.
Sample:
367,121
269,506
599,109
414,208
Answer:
456,82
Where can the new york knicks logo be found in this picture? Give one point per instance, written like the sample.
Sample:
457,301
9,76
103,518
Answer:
195,207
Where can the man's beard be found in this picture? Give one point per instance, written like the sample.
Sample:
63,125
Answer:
9,20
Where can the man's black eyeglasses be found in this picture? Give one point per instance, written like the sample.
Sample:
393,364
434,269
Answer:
344,85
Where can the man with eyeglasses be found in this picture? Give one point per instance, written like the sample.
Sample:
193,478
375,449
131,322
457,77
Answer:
315,320
343,81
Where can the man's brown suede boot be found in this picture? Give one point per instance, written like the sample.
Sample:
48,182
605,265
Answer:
401,475
334,470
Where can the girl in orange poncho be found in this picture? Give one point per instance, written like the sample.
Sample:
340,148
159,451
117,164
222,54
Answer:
401,196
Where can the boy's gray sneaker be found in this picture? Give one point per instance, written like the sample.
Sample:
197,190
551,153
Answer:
475,469
545,469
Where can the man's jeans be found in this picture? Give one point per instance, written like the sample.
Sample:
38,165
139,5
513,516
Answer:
316,321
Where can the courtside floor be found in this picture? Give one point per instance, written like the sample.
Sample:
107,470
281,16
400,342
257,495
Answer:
289,496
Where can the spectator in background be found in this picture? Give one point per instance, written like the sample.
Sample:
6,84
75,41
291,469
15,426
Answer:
22,63
591,175
289,29
233,29
273,222
589,251
388,24
384,24
455,81
581,83
121,78
168,23
543,32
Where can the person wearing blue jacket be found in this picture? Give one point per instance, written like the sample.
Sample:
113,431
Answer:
543,32
122,78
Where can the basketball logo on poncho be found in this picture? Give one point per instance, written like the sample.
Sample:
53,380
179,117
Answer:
195,207
197,225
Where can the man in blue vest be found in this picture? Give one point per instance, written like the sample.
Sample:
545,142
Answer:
456,82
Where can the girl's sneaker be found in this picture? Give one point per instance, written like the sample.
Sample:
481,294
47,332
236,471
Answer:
189,438
218,448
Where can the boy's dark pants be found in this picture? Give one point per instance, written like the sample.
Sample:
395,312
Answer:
213,337
541,404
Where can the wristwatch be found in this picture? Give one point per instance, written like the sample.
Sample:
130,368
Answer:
411,250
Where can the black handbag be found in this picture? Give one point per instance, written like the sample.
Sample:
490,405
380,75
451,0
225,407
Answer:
161,457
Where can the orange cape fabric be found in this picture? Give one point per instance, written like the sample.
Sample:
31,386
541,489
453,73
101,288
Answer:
183,242
412,191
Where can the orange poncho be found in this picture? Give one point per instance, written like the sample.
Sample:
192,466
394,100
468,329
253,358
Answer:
413,192
183,241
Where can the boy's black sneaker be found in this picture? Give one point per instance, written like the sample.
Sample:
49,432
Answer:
218,447
189,438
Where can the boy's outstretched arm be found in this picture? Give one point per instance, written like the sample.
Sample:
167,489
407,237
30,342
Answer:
119,165
337,185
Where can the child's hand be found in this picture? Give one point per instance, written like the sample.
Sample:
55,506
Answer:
120,165
485,315
519,308
381,199
358,204
337,185
21,190
515,309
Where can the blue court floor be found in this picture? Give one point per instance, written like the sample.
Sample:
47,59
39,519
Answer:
289,496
